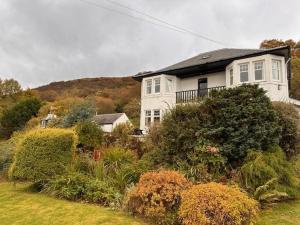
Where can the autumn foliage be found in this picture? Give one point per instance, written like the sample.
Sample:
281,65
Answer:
157,196
214,204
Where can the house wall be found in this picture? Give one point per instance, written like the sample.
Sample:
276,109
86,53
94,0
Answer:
121,119
107,127
213,80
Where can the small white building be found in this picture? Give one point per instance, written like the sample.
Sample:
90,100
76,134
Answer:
108,122
196,77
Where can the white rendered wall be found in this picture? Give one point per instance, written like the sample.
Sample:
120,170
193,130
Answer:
121,119
107,127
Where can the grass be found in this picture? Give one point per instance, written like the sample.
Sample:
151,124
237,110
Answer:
281,214
20,206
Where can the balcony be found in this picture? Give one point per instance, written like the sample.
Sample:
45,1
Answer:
195,95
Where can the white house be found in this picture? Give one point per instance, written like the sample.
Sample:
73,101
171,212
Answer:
108,122
196,77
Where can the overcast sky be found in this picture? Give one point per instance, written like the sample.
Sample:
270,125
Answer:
42,41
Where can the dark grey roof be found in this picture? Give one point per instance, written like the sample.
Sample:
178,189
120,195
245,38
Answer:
226,55
107,118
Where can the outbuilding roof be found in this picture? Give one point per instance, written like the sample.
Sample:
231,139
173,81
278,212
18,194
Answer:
213,61
107,118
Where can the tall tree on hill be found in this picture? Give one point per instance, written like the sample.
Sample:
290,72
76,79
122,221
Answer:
9,87
295,62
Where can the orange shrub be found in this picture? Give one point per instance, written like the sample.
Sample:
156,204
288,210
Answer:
213,204
157,196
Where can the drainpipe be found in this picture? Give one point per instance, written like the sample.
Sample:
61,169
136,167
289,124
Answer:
287,64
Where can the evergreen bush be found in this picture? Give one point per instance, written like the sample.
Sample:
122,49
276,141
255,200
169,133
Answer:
42,154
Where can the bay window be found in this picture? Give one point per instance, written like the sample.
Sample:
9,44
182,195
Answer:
148,87
244,72
157,85
276,69
147,118
156,115
169,84
231,76
259,70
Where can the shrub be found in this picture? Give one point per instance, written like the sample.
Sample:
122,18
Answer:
261,167
241,118
6,156
42,154
122,133
89,134
157,196
214,203
203,164
180,129
289,121
76,186
71,186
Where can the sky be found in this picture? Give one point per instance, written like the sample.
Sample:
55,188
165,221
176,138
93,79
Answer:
43,41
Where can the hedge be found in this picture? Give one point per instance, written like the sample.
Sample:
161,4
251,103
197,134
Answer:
42,154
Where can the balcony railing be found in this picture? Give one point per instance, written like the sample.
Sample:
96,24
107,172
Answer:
195,95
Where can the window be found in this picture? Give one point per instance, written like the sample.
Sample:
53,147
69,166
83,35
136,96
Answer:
259,70
276,69
156,114
148,86
244,72
231,76
169,84
147,118
157,85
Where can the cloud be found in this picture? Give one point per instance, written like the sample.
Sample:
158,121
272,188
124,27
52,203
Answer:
48,40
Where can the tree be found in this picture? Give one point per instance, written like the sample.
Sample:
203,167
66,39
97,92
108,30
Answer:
17,116
9,87
89,134
295,62
133,110
79,113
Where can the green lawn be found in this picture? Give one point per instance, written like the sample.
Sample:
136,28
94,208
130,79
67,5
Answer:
281,214
18,206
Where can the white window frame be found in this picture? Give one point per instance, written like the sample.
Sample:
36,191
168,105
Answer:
147,86
157,83
256,69
156,116
278,69
148,116
231,81
240,72
168,85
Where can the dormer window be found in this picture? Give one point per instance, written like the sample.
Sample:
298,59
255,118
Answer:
244,72
157,85
148,87
276,69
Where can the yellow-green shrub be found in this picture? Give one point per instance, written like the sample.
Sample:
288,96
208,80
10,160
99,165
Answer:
157,196
42,154
214,204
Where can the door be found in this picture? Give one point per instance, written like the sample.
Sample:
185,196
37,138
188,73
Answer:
202,87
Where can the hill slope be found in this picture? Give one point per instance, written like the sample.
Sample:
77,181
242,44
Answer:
110,94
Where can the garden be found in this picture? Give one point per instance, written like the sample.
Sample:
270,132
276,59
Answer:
230,159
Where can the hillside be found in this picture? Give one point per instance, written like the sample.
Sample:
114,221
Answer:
110,94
